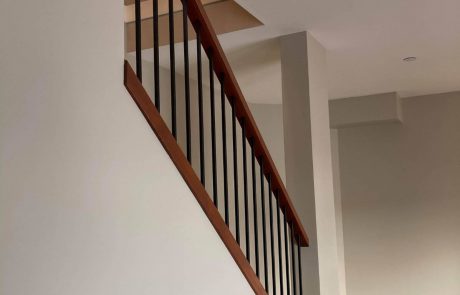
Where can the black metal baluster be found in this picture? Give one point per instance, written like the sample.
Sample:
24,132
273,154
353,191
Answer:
264,226
213,133
245,190
137,12
293,259
286,251
299,258
186,80
224,150
235,173
280,256
254,204
172,63
272,238
156,55
200,107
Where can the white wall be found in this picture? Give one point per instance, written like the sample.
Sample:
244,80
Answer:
338,209
308,156
401,201
328,248
365,110
269,119
89,201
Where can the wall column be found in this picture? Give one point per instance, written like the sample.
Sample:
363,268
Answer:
309,177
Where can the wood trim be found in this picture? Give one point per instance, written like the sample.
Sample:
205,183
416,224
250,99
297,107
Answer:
163,9
211,45
225,15
131,2
156,122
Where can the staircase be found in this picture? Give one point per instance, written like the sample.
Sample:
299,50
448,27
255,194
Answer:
236,183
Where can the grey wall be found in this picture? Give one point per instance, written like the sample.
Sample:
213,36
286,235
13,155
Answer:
401,201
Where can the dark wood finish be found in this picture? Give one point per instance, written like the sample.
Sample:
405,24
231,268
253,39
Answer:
211,45
163,133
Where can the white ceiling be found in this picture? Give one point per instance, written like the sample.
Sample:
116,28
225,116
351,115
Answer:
365,41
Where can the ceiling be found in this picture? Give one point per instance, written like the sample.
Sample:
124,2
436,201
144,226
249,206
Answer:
365,42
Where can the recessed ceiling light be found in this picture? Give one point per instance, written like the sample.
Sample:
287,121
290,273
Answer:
410,58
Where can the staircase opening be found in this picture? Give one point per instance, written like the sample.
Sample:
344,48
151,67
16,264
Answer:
225,15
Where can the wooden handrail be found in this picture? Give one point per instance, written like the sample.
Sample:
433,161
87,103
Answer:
211,45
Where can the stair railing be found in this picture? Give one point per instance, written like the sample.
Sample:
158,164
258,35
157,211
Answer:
280,236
